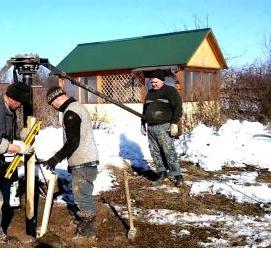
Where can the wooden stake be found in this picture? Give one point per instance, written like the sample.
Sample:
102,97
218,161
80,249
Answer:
48,205
30,177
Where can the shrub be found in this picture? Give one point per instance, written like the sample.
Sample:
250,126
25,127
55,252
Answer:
247,96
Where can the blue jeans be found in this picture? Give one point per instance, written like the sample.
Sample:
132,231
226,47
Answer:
82,187
162,149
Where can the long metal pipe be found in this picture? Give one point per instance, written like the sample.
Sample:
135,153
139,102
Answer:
93,91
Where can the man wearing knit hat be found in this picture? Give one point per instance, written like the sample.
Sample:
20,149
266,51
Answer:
82,155
16,95
162,111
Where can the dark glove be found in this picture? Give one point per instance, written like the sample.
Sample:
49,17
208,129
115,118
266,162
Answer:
143,129
51,163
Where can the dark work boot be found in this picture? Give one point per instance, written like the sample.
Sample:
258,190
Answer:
179,180
161,177
85,229
3,237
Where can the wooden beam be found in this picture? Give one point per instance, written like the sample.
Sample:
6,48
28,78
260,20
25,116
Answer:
180,82
61,83
48,205
96,73
143,90
30,176
99,88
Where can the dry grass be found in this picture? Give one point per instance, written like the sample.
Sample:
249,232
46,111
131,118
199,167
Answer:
264,177
246,96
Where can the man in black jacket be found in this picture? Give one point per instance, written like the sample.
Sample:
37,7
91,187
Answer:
81,152
162,111
15,96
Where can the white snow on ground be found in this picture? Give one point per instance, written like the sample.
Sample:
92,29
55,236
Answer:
241,187
235,144
256,231
232,145
240,193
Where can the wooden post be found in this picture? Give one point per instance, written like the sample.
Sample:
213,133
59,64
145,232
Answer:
143,90
30,185
48,205
80,91
99,88
180,82
30,179
61,83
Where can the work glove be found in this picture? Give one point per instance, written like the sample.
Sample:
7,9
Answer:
26,149
143,129
173,130
51,163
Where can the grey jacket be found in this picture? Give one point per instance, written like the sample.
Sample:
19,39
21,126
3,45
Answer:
7,126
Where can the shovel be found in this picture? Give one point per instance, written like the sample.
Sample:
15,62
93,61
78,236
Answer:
132,230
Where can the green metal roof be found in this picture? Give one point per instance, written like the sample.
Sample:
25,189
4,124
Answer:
153,50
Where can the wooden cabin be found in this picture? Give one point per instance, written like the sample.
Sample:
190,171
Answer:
120,69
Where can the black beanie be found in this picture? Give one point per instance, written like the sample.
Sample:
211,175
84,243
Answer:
160,74
19,92
53,93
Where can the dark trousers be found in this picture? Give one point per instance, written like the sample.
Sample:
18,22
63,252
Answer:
82,187
162,149
6,212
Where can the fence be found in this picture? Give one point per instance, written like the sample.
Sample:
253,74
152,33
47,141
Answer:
125,88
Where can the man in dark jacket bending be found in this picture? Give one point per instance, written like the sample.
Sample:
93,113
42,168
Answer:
16,95
80,150
162,111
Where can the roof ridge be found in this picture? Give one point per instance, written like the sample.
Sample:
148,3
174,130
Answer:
147,36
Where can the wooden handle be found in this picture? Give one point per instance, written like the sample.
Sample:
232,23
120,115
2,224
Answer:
130,214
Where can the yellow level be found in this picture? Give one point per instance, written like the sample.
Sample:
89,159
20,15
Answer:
18,158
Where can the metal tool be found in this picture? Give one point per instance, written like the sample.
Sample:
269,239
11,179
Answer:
28,140
132,230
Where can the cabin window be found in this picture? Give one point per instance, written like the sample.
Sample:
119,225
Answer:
80,94
71,89
86,96
188,85
199,85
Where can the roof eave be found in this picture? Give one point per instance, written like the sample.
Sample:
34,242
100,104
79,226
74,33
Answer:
214,44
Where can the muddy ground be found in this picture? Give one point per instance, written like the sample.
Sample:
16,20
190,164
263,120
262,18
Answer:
112,228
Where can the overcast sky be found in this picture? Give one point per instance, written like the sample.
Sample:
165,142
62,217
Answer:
53,28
